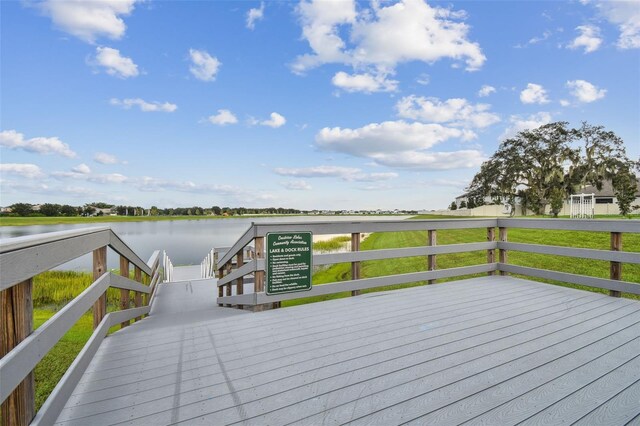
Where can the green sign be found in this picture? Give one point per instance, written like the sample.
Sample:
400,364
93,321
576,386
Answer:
289,257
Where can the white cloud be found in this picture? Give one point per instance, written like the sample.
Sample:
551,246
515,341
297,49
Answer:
30,171
89,20
400,144
95,178
545,35
456,112
114,63
626,15
534,94
381,37
223,117
589,39
82,168
365,83
104,158
585,91
144,105
255,14
423,79
564,103
519,123
349,174
275,121
385,137
297,185
433,160
203,66
40,145
486,90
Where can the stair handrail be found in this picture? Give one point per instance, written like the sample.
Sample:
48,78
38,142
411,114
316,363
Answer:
23,258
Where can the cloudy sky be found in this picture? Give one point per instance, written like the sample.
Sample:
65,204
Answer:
311,104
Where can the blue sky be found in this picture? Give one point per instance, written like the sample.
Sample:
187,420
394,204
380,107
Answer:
311,105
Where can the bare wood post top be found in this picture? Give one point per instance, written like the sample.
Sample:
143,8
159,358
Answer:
124,294
17,323
258,284
615,270
355,266
491,253
99,268
137,275
503,233
432,263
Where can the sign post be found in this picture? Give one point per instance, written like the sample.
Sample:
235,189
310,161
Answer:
288,262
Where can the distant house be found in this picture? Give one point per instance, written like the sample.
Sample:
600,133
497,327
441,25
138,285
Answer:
606,195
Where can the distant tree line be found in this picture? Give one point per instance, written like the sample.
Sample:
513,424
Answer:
99,208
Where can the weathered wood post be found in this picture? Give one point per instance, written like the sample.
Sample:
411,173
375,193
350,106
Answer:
220,288
615,270
502,235
491,253
215,264
99,268
240,280
228,267
137,275
258,284
17,323
355,266
432,240
124,294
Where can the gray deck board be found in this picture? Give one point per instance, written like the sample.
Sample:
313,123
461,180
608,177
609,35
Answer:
490,350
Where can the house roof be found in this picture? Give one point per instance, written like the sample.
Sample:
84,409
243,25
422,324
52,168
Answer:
606,191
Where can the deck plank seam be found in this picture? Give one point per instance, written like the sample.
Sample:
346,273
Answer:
334,390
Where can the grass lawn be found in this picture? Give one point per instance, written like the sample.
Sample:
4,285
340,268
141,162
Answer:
382,240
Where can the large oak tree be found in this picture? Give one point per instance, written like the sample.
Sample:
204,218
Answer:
543,166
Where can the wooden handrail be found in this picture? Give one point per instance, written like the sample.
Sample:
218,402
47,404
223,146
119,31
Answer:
493,248
23,258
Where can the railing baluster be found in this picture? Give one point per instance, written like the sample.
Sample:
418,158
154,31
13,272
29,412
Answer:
502,235
137,275
229,268
99,268
240,280
355,266
124,294
258,283
491,253
432,264
615,269
17,323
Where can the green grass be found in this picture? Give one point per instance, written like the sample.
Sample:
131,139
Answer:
331,245
52,367
382,240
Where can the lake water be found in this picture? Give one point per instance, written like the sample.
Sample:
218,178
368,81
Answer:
187,242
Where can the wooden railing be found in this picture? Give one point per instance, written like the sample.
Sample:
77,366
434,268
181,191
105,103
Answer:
22,348
258,299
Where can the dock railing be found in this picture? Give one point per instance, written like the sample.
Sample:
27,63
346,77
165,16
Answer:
496,245
22,348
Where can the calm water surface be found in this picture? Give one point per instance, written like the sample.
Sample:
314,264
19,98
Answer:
186,241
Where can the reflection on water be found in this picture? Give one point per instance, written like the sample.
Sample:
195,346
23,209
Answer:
186,241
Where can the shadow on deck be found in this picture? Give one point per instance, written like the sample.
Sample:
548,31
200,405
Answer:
491,350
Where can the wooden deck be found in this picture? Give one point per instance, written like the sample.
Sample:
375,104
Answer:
493,350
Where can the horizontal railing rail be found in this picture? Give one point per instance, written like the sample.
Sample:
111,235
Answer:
234,270
22,348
